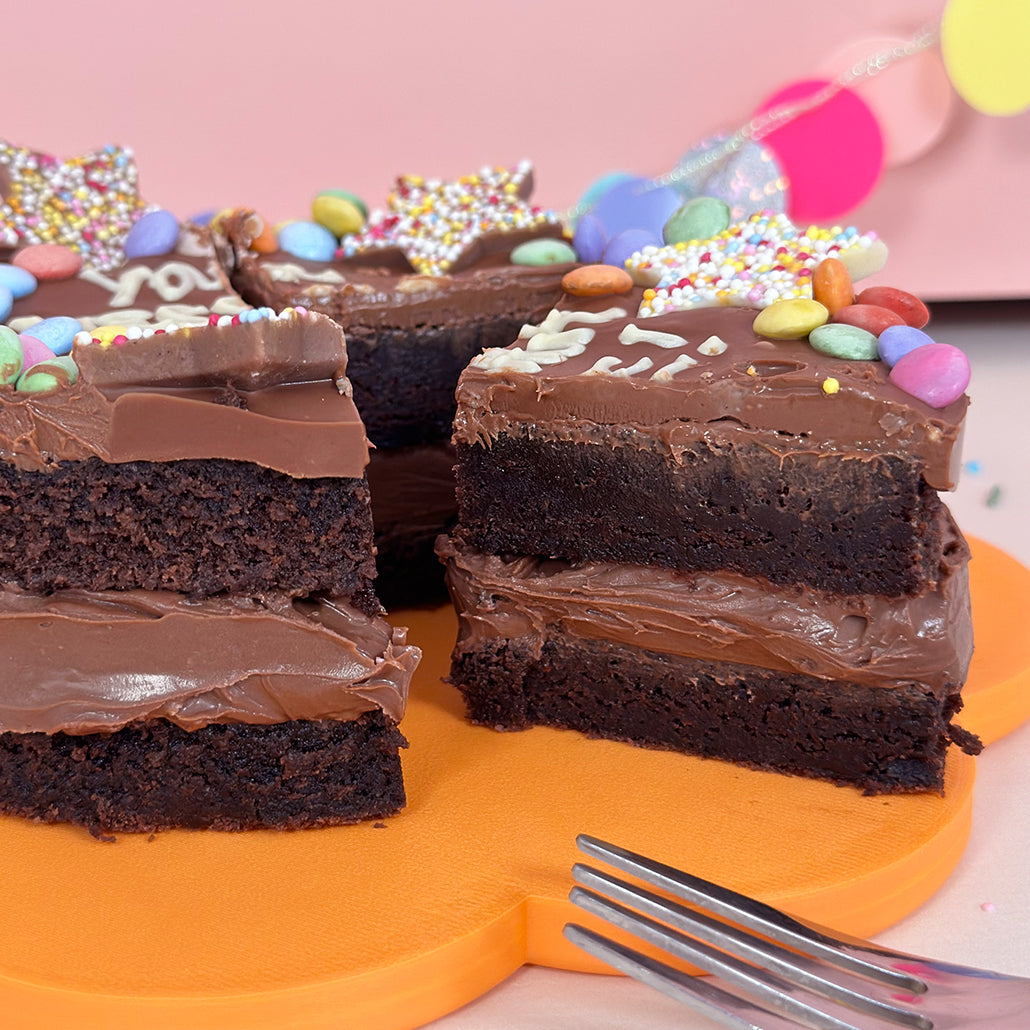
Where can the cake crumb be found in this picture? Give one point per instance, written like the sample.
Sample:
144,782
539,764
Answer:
379,826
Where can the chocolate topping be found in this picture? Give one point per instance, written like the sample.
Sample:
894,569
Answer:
160,398
665,395
722,616
83,662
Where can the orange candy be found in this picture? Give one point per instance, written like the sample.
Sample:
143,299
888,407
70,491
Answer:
266,241
831,285
596,281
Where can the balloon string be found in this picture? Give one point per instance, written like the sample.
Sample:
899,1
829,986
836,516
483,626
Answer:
768,121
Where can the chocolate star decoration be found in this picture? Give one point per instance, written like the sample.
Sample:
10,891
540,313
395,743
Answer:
87,203
441,227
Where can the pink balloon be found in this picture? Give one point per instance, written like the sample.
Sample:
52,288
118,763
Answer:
832,155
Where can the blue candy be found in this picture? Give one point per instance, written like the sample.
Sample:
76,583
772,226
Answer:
155,233
17,280
897,340
308,240
636,204
628,243
6,303
58,333
589,239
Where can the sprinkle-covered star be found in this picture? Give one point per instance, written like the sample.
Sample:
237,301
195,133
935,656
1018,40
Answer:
441,226
88,203
751,264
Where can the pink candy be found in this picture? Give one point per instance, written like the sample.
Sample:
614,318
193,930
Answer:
936,374
34,350
48,261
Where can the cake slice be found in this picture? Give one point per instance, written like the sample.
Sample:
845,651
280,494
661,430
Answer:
425,285
188,612
676,531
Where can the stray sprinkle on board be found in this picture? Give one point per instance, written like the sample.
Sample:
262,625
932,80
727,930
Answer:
994,496
988,906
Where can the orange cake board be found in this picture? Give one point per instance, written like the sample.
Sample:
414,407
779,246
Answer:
394,924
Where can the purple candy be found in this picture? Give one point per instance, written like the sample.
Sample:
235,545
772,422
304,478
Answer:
628,243
936,374
589,239
898,340
636,204
34,350
155,233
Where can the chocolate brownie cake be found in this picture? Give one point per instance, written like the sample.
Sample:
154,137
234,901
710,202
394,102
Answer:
424,286
188,604
679,531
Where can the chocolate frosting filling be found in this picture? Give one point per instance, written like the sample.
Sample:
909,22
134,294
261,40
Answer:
84,662
722,616
665,395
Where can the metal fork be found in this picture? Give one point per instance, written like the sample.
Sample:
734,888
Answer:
794,974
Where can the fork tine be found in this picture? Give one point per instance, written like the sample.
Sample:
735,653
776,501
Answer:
765,992
754,915
762,968
693,991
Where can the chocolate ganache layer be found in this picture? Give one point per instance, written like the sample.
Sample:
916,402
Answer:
670,380
84,662
722,616
273,392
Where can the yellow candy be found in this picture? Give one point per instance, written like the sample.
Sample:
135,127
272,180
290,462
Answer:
831,385
338,215
790,319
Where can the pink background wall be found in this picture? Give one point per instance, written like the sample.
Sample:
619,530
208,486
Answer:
265,104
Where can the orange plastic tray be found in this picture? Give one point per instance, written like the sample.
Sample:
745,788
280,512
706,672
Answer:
393,925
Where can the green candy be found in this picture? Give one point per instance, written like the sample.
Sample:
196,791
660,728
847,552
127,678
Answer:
47,376
844,341
12,357
544,251
698,219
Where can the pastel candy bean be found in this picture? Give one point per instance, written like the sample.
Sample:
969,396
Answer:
698,219
47,376
57,332
832,285
12,357
6,302
862,262
936,374
202,217
635,203
844,341
870,317
912,310
898,340
544,251
627,243
602,185
351,198
266,241
596,281
34,350
337,214
17,280
48,261
790,319
308,240
156,232
589,239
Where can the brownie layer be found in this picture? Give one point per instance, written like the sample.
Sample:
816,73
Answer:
404,379
883,741
858,524
196,527
153,775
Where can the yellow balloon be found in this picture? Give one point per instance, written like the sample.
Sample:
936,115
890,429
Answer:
984,44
